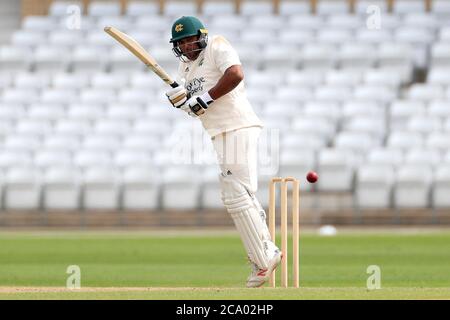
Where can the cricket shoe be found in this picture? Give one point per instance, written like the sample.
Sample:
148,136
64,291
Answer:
259,276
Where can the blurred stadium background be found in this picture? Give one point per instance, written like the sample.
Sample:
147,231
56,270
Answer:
357,90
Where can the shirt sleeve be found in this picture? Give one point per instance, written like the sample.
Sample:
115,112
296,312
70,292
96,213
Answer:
224,54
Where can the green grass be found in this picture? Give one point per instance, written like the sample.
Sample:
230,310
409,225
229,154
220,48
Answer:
413,266
309,293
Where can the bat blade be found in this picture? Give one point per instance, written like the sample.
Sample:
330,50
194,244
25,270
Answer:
134,47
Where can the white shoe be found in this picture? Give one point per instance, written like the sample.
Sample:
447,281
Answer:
259,276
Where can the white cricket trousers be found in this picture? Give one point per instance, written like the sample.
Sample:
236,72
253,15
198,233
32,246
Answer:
237,151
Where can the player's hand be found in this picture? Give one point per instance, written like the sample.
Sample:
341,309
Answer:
186,109
199,104
177,96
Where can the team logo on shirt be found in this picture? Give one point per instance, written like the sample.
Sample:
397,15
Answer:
195,85
179,27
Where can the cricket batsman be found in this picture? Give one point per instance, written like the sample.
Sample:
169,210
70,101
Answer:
212,90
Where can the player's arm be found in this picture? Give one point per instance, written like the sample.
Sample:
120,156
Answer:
230,80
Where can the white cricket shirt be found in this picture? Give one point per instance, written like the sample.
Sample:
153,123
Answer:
231,111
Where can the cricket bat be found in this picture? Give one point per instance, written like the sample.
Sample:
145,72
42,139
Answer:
141,53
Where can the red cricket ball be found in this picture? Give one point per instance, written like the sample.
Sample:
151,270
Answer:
312,177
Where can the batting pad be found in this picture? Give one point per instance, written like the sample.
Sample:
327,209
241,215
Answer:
247,219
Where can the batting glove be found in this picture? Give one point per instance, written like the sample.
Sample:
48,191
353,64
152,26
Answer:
178,95
186,109
199,104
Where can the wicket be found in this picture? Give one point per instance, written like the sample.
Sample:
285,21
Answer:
284,227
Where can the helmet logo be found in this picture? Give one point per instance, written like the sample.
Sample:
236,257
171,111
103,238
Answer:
179,27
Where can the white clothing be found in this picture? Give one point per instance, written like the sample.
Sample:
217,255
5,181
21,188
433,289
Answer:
231,111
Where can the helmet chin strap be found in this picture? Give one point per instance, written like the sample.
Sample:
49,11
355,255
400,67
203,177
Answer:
183,56
202,42
188,59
